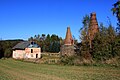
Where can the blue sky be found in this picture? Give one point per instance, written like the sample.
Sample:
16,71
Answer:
21,19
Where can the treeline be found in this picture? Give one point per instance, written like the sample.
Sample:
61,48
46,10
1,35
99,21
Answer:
6,47
49,43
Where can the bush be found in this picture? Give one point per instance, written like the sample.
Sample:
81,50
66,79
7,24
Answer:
8,53
75,60
67,60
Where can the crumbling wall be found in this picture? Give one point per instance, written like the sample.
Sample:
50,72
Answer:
67,50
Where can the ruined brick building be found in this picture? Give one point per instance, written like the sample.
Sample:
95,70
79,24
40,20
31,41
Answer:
68,47
26,50
93,28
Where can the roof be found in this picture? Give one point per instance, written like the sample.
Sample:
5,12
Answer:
25,44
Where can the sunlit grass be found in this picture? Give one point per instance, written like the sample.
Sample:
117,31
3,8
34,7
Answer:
17,70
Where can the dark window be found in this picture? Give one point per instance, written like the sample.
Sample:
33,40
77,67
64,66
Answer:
36,55
31,50
32,43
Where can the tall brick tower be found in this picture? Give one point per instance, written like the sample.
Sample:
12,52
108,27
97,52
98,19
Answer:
93,28
68,48
68,39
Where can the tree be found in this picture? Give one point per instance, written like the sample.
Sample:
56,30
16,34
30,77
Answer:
111,39
43,36
75,40
35,37
100,46
55,43
8,53
104,43
47,43
85,49
116,11
117,46
55,47
6,47
84,29
30,39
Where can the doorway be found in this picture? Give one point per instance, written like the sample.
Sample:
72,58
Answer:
36,55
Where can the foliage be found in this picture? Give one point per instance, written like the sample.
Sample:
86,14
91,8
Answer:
85,45
116,11
55,47
8,53
6,47
67,60
105,44
75,60
49,43
84,29
117,46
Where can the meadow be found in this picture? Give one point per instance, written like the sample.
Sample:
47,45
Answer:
17,70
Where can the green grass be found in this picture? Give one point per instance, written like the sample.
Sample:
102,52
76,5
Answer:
17,70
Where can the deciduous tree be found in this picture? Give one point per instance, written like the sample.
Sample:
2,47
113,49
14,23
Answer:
116,11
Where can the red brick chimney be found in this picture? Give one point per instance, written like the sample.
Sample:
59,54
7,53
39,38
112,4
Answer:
93,27
68,39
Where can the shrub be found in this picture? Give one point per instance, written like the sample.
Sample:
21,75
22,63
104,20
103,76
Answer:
8,53
65,60
75,60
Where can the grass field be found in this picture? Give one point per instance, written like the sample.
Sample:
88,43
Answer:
17,70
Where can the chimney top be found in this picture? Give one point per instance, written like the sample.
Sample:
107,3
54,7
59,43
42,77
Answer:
68,27
93,13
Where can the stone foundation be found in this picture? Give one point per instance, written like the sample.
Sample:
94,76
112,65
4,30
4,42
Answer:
67,50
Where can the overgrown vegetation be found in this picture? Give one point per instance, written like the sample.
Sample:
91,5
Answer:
104,48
